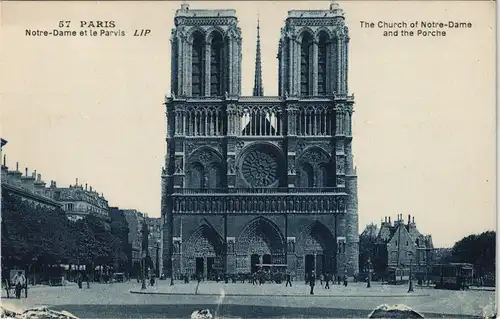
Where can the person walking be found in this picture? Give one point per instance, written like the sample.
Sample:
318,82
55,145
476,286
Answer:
312,282
19,282
152,280
79,280
327,281
288,279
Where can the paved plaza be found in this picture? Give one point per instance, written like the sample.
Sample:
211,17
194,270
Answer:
122,300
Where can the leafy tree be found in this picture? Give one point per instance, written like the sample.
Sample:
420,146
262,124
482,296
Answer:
478,250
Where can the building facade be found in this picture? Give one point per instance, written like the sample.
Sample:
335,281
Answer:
134,219
259,181
29,188
155,242
400,244
79,201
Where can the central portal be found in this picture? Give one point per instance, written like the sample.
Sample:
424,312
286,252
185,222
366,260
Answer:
263,244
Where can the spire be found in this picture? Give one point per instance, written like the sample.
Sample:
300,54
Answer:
258,90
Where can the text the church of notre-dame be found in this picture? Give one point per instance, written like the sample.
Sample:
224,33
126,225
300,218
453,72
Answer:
259,180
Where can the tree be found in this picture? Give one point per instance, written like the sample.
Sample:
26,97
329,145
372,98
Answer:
478,250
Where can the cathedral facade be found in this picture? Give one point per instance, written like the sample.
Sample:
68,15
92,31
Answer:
259,181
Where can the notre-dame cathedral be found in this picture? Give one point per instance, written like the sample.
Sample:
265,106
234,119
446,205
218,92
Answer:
259,181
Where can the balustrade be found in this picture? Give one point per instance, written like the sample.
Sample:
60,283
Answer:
261,204
272,190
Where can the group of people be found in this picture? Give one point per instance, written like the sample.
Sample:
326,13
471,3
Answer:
326,278
19,282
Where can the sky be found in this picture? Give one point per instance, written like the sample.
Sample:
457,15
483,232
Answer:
424,123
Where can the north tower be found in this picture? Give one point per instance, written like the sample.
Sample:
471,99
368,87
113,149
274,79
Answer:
259,181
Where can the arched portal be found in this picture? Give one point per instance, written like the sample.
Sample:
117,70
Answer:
317,246
262,241
203,251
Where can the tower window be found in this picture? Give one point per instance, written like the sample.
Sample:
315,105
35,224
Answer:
216,65
305,64
322,68
197,66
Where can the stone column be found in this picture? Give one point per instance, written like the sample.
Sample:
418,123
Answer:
282,68
346,64
239,55
291,67
339,65
296,60
230,63
315,68
208,52
180,65
188,56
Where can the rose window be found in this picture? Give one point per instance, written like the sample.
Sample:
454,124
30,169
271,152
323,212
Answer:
260,168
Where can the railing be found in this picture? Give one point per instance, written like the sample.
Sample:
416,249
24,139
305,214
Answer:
276,190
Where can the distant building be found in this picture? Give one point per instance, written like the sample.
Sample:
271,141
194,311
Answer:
155,241
134,219
117,216
399,242
29,188
371,230
79,201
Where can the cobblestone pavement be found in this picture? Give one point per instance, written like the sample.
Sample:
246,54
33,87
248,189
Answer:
117,301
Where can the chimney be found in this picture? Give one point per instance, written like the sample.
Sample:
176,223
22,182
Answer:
389,219
4,160
386,219
39,177
33,174
85,186
17,166
26,171
413,219
90,188
76,182
409,219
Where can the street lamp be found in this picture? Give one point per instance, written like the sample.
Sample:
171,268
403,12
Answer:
172,271
410,288
158,259
143,287
368,285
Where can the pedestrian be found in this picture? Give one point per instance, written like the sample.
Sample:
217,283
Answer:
152,280
79,280
321,278
327,281
288,279
19,282
87,279
312,281
345,279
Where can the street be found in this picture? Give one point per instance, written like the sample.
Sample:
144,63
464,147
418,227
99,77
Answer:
117,301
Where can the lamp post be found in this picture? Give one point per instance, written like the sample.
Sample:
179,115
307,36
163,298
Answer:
158,259
33,266
368,284
172,270
410,288
143,287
